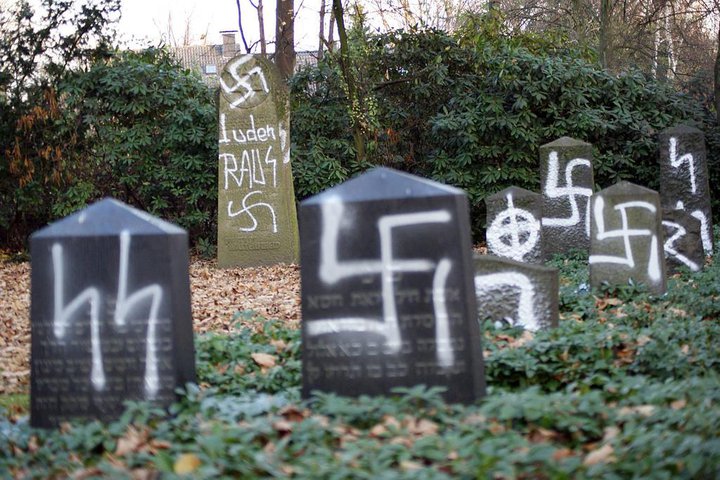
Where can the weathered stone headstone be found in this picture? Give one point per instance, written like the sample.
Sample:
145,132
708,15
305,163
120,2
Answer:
518,293
387,288
683,241
684,180
566,176
110,314
257,219
513,225
627,237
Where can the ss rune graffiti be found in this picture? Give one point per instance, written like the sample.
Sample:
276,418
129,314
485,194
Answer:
125,304
331,270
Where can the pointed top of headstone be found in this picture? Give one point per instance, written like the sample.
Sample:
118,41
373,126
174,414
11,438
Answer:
624,187
680,130
565,142
108,217
516,192
383,183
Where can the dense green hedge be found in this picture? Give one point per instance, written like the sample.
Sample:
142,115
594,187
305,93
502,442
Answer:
469,109
472,109
628,386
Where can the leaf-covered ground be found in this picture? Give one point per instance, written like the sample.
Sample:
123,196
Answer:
217,295
628,386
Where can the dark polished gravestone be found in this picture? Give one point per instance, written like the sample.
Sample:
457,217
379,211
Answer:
684,180
513,225
387,288
520,294
566,176
627,237
257,219
110,314
683,241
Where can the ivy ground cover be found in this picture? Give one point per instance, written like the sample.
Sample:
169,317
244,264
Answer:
627,387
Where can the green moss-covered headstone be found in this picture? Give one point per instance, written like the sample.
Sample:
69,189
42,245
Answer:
257,220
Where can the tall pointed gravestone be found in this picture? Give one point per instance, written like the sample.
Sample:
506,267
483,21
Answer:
513,225
627,237
110,314
387,288
566,176
684,181
257,219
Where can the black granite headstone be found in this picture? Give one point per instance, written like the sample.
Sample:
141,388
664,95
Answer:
387,288
513,225
566,176
110,314
518,293
627,237
683,241
684,181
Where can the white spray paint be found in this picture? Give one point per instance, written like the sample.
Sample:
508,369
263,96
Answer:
705,231
247,209
677,162
503,234
243,81
332,270
625,233
484,284
570,191
670,249
124,306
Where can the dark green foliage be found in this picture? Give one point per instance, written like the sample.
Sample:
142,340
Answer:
150,138
472,109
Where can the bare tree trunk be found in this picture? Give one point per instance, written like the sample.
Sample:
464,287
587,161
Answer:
604,33
717,79
285,37
261,26
240,27
322,30
349,78
331,32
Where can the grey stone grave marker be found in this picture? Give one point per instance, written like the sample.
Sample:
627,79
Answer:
566,176
684,181
627,237
257,219
683,241
513,225
387,288
520,294
110,314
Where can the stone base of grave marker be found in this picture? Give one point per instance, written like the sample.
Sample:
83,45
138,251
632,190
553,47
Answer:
518,293
513,225
627,237
387,289
110,314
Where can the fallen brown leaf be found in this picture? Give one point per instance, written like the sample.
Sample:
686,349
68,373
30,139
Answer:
603,454
264,359
186,463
